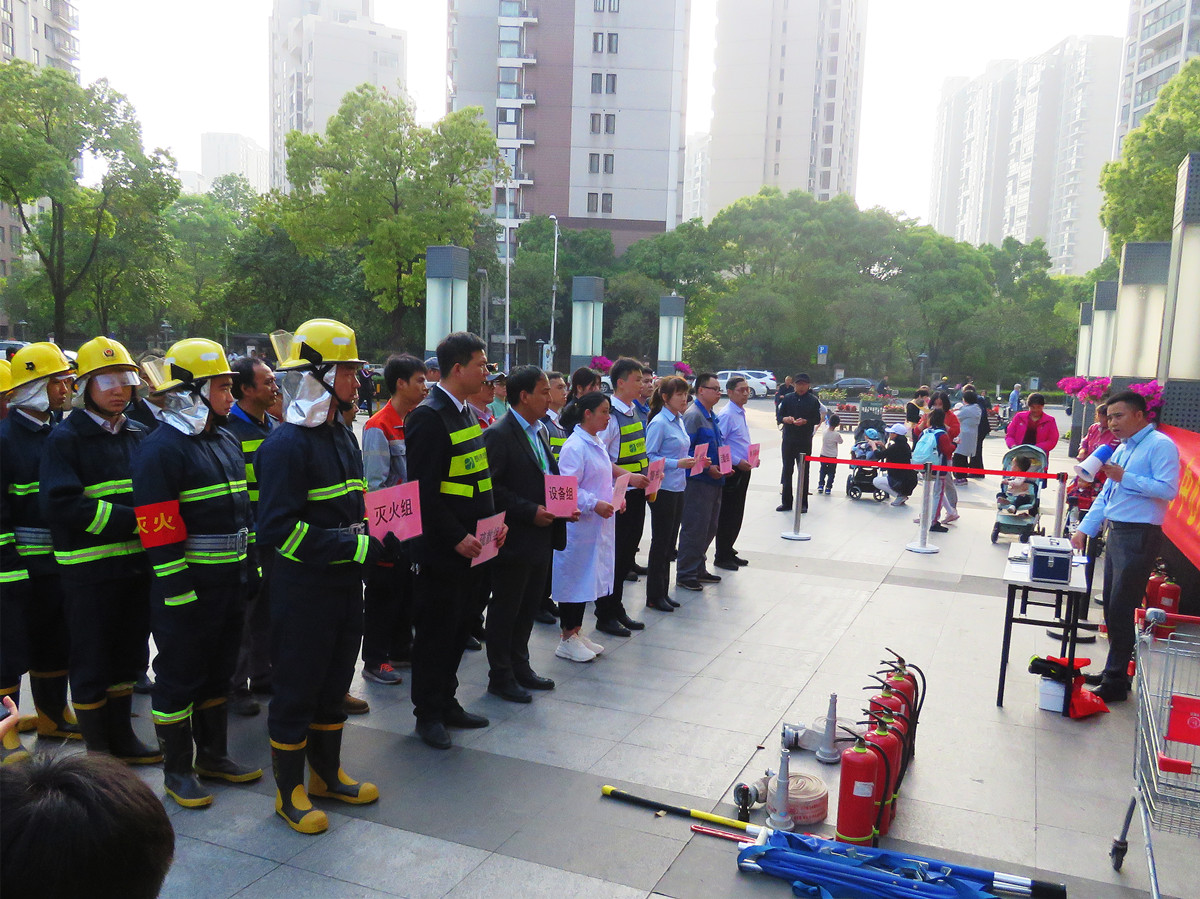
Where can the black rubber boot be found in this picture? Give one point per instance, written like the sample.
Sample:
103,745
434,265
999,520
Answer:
55,719
326,777
92,718
179,777
291,801
122,741
11,749
210,723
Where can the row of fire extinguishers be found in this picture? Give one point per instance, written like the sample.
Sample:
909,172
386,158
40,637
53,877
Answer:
874,765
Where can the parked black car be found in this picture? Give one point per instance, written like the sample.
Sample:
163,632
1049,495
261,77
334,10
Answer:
852,386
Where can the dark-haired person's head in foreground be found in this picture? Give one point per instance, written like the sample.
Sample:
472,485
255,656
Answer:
81,826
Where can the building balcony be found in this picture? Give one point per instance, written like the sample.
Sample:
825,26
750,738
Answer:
522,177
515,12
528,98
64,66
528,58
65,13
65,44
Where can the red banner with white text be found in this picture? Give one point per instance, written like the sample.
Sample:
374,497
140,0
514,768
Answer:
1182,524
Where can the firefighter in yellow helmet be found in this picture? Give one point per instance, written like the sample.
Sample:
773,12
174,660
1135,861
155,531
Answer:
5,384
33,629
311,514
193,517
87,499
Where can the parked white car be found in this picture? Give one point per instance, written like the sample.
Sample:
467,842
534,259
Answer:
767,377
758,387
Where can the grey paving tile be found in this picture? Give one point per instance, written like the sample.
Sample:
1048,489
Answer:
502,875
702,742
677,638
721,691
638,652
619,669
297,884
708,867
390,860
549,747
613,696
204,871
678,772
742,717
1008,840
552,713
246,822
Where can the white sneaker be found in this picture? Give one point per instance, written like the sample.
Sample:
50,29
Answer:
590,644
899,501
573,650
950,518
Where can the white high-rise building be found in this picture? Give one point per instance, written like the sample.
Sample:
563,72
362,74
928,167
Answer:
320,51
1161,36
222,153
42,33
1018,151
587,101
787,97
695,177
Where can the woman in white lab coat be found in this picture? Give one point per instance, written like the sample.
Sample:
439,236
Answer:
584,570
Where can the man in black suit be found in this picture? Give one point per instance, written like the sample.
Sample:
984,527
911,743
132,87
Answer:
799,413
519,457
447,457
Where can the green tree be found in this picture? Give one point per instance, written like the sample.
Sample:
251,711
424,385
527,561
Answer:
47,122
204,230
1139,188
236,194
378,184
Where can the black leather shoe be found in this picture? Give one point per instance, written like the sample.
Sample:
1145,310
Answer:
631,577
690,584
541,616
613,627
783,508
727,566
939,528
460,717
673,602
1112,691
473,644
640,569
433,733
510,691
708,578
738,560
660,604
632,623
1093,680
532,681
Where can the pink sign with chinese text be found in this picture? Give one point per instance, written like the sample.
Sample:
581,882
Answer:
562,495
619,488
701,456
725,459
655,474
395,510
486,533
752,454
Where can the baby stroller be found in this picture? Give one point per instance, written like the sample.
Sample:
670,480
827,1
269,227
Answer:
1025,522
862,477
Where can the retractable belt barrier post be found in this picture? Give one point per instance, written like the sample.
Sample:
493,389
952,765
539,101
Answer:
921,544
801,498
1061,505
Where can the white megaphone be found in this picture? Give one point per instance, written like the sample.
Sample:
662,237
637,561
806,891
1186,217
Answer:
1090,467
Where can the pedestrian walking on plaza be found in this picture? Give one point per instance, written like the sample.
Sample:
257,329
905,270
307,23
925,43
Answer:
969,415
583,569
831,439
1143,478
799,413
666,439
1033,426
702,493
519,458
735,433
447,457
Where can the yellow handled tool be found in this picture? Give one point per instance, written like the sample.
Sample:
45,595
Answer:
614,793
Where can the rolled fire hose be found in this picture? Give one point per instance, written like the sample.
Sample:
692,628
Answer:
808,797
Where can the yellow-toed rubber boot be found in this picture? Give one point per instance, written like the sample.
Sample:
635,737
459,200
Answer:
291,801
326,777
123,743
179,777
210,725
12,750
55,718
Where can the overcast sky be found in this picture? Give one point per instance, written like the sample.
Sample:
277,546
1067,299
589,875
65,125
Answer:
195,67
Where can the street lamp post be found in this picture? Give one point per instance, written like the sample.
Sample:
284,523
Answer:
22,324
165,331
507,274
553,289
485,297
923,358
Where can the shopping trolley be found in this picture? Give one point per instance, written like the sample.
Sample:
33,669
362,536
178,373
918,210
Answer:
1166,758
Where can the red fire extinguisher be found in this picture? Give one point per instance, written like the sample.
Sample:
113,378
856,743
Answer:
888,699
915,693
865,775
1153,588
889,742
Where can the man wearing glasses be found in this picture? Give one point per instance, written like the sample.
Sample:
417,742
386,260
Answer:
702,495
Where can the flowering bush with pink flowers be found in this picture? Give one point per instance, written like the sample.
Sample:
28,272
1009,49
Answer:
1086,390
601,364
1071,386
684,369
1153,392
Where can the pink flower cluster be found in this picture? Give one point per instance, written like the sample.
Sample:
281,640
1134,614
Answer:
1094,390
1153,392
1071,386
684,369
601,364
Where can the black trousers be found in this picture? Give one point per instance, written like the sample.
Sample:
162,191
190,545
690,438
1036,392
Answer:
571,614
630,525
443,612
733,509
109,623
517,588
387,619
254,656
14,634
197,647
1130,552
977,457
665,512
791,453
316,630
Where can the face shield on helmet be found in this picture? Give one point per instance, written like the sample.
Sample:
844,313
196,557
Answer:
103,381
308,369
33,395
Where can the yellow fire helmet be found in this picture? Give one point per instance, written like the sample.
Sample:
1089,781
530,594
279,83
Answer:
192,360
5,376
103,352
319,341
38,360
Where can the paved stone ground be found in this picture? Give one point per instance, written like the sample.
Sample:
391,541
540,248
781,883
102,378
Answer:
678,711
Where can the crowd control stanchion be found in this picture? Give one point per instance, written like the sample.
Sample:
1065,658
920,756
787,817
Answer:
922,544
798,504
1060,507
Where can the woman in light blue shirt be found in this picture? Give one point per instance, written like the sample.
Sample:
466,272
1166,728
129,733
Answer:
666,439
